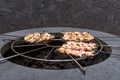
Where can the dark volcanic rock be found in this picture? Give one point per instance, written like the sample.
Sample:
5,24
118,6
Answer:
22,14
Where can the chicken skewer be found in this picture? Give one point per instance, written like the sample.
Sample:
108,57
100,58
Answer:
77,48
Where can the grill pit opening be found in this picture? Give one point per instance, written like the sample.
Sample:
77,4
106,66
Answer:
38,64
55,42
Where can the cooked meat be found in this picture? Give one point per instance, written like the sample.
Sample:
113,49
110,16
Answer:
80,45
77,48
88,36
77,36
32,37
37,37
47,36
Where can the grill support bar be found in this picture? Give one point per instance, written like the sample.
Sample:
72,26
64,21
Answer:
49,53
3,59
80,67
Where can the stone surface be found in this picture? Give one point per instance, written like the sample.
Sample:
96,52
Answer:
24,14
106,70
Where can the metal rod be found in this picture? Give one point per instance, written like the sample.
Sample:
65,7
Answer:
3,59
49,53
80,67
22,53
29,45
56,46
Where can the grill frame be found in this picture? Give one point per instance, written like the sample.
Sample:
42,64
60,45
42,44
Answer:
59,38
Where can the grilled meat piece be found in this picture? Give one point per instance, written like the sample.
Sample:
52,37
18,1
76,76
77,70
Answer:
38,37
77,48
32,37
77,36
88,36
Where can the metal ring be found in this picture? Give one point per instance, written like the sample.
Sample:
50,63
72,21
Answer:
51,60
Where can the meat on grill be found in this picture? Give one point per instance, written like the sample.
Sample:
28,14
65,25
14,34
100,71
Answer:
77,36
38,37
77,48
75,42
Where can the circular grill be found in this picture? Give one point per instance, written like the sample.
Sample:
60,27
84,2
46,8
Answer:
46,49
109,57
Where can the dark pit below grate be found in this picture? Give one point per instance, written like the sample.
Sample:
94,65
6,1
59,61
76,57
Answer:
52,65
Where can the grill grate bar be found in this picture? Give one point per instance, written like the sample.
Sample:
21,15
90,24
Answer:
3,59
80,67
30,50
49,53
28,45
